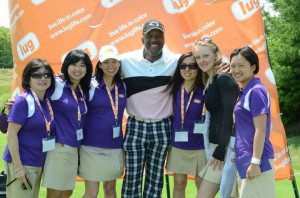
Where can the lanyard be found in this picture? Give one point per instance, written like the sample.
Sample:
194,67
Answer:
182,110
50,110
76,100
114,105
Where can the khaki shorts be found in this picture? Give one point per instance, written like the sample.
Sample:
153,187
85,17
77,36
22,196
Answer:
182,161
99,164
210,174
33,174
261,186
60,169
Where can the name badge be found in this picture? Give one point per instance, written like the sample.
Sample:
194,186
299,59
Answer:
181,136
48,144
79,134
116,131
200,128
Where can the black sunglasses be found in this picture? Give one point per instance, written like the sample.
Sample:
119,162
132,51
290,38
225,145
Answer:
192,66
46,75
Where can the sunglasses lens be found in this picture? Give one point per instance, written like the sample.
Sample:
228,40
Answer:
183,66
192,66
40,76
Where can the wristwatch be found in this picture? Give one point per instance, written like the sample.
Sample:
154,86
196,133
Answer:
255,161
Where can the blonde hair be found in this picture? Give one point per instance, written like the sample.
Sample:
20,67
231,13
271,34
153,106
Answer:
207,41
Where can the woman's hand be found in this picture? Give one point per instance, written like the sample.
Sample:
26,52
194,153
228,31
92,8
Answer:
216,163
20,174
253,171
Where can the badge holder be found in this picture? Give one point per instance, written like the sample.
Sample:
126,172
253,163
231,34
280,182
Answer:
181,135
79,134
48,144
116,130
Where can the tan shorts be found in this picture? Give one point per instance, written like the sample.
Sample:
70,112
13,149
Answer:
210,174
261,186
182,161
99,164
60,169
33,174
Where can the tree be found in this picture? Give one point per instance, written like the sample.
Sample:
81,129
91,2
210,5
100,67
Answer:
6,57
283,39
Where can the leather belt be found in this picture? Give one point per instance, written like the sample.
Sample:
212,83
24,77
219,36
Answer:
149,120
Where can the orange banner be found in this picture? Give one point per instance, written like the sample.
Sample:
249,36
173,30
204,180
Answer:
50,28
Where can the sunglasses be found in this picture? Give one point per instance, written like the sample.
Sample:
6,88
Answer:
192,66
206,39
41,75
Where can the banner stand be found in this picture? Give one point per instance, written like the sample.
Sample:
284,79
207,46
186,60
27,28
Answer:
168,186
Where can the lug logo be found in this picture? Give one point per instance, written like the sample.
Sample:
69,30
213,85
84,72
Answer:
243,9
37,2
87,46
109,3
27,46
177,6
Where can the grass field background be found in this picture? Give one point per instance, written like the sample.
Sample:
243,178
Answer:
283,188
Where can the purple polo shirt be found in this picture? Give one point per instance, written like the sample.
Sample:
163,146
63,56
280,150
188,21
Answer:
65,113
193,114
253,101
98,128
26,112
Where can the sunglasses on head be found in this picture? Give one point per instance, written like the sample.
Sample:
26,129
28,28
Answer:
206,39
46,75
191,66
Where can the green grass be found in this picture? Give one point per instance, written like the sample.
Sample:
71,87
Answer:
283,187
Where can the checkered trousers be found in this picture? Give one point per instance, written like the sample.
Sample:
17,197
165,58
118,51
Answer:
145,144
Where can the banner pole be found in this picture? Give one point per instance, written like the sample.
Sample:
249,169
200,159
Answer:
295,188
168,186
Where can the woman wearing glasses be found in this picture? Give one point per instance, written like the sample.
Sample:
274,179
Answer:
101,153
221,93
70,109
29,131
187,155
254,151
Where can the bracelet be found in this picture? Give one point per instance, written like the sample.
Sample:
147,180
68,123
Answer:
18,169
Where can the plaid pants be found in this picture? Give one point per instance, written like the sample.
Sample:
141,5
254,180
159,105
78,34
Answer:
145,144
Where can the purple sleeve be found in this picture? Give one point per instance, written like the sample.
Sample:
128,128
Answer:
19,111
259,102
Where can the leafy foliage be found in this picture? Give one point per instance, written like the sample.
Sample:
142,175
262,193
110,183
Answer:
6,57
284,47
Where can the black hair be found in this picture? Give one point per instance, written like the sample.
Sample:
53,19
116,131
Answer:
249,54
177,79
99,74
34,65
73,57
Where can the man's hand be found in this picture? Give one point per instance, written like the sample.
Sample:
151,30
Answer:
223,68
9,103
253,171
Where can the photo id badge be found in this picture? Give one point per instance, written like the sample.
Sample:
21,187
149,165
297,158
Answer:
79,134
181,136
116,131
200,128
48,144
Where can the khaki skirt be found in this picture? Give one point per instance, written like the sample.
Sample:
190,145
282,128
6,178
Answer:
261,186
182,161
99,164
33,174
60,169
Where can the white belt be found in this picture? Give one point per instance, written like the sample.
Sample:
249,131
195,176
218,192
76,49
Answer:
149,120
